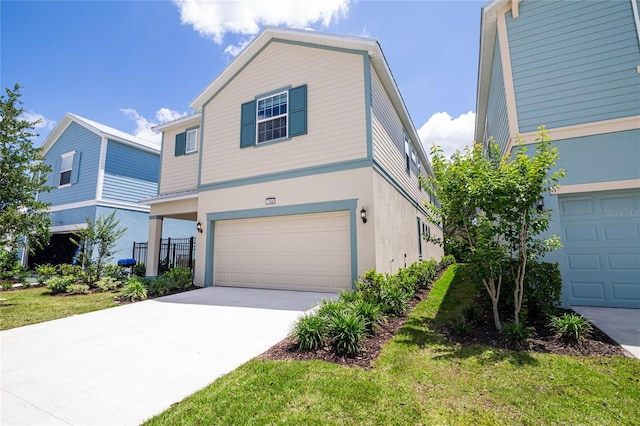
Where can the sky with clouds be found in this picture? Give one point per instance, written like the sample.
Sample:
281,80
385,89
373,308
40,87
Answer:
135,64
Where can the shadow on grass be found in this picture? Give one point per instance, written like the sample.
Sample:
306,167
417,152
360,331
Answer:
449,296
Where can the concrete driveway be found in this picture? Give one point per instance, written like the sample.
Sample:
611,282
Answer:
123,365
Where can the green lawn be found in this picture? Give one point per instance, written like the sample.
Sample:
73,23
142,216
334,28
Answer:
34,305
420,378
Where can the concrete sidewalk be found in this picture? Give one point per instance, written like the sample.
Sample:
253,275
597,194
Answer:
622,325
123,365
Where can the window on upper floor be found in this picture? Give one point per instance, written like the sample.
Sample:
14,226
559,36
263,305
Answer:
66,169
274,117
191,141
186,142
407,152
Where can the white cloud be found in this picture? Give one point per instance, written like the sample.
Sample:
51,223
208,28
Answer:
216,18
234,50
450,133
42,121
144,125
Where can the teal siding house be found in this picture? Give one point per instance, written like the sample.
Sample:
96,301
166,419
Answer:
574,66
96,170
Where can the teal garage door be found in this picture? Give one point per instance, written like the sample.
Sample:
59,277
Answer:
601,238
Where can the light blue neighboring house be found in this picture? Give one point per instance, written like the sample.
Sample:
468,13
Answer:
574,66
98,169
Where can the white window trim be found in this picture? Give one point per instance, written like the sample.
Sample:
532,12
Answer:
70,169
195,141
259,121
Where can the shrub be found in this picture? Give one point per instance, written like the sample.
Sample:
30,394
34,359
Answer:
160,286
370,313
107,283
140,269
516,335
349,296
446,261
134,290
330,308
472,314
571,328
116,272
424,272
370,285
394,299
347,330
45,272
59,284
7,285
405,279
68,270
310,331
544,286
180,278
77,289
461,325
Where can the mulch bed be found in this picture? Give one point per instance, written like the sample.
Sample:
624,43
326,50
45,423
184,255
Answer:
598,344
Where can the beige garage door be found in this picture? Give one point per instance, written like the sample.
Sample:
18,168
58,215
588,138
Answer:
310,252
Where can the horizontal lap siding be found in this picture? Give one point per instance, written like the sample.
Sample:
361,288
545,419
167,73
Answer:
126,189
574,62
75,138
388,140
497,115
335,113
179,173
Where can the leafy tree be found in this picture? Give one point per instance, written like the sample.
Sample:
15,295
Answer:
24,221
490,201
97,242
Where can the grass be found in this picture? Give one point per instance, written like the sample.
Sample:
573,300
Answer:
35,305
421,378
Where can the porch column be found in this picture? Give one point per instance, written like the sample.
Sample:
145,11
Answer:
153,245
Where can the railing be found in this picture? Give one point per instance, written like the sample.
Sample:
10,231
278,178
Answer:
173,252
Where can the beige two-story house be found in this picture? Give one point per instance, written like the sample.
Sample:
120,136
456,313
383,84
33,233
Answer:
300,168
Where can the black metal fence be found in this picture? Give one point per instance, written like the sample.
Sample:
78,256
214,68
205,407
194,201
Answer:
173,252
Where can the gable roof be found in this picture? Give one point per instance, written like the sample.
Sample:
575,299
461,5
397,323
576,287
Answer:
309,37
99,129
488,35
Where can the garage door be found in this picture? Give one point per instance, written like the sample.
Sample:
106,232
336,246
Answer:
310,252
601,236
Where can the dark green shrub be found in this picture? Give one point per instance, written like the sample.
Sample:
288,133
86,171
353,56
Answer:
446,261
406,278
370,313
349,296
45,272
160,286
394,300
59,284
180,278
9,264
330,308
77,289
370,285
425,272
68,270
571,328
516,335
348,331
472,314
134,290
310,331
544,287
140,269
461,325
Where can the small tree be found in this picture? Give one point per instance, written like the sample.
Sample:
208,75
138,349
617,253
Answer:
24,221
490,201
97,242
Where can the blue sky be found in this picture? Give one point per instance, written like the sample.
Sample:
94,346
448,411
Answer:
133,64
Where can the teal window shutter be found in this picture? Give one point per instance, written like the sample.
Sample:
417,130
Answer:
75,170
181,143
298,111
248,124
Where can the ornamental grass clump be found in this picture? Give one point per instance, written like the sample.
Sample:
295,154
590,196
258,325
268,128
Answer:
516,335
134,290
348,331
571,328
310,332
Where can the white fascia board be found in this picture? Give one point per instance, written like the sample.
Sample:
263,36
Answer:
195,117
